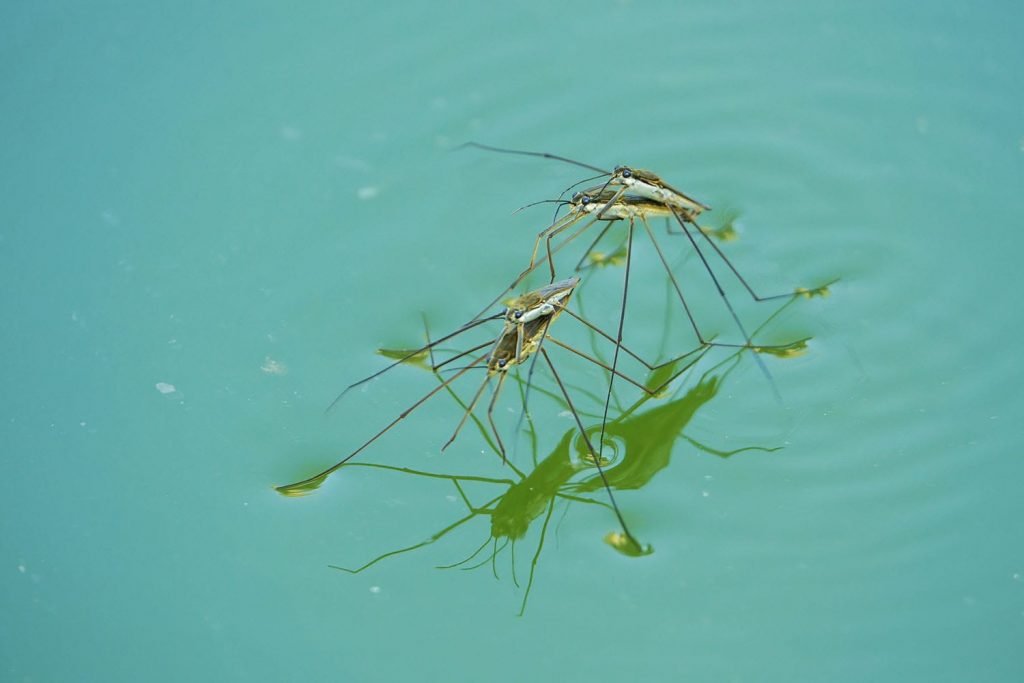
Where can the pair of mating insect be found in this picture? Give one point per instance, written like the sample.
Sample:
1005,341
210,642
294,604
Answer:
626,194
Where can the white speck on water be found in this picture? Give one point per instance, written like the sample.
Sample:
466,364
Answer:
273,367
82,423
368,192
706,494
375,589
450,498
163,388
22,568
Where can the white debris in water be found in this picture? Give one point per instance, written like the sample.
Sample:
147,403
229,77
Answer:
368,192
375,589
165,388
273,367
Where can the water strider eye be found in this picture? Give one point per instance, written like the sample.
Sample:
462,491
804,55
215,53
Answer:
626,173
502,362
517,314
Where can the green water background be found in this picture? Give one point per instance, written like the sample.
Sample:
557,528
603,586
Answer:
190,192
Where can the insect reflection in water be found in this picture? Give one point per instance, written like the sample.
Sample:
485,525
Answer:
644,435
641,438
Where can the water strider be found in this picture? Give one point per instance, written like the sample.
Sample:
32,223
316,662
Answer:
636,192
526,320
630,194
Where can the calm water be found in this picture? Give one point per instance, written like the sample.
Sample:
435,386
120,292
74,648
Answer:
212,217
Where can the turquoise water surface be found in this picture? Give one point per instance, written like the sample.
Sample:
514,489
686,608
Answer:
213,216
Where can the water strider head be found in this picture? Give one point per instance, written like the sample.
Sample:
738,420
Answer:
649,185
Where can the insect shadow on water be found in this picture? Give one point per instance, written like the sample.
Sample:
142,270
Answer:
644,435
526,323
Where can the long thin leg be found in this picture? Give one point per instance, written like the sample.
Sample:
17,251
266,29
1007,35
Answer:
515,580
427,347
490,416
598,363
458,399
618,342
317,479
544,155
705,344
461,354
440,534
604,231
466,414
454,478
647,390
493,559
529,378
476,552
721,254
536,556
590,448
721,293
546,234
